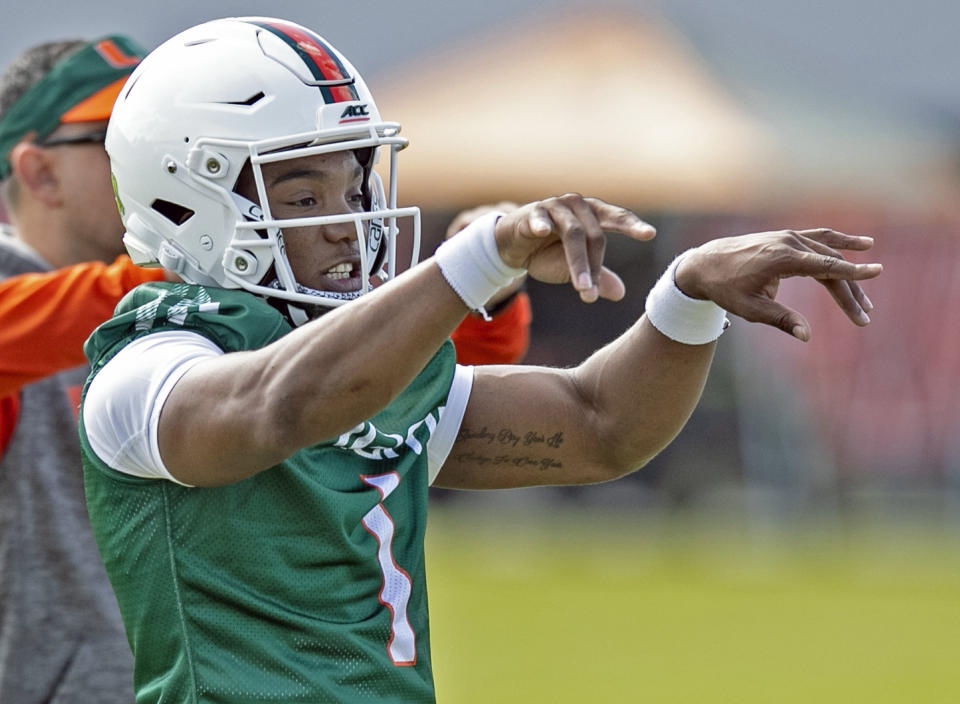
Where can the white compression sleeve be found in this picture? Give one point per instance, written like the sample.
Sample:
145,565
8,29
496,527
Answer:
121,411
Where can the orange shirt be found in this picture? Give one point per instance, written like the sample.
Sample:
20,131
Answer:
502,340
45,318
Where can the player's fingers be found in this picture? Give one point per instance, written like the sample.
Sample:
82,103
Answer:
596,243
760,309
821,246
808,244
825,266
573,234
848,294
614,218
610,286
862,298
843,295
536,223
837,240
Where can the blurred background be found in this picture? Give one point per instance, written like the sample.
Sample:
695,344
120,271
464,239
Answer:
800,540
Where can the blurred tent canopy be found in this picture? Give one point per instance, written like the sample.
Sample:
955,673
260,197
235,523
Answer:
608,104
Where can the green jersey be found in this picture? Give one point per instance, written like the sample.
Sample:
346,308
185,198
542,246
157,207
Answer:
303,583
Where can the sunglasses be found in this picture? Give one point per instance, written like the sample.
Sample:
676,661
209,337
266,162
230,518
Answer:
91,138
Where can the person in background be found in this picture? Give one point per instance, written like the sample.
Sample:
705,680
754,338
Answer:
46,316
61,637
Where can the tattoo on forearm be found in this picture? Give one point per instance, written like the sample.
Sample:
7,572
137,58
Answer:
482,460
507,437
510,439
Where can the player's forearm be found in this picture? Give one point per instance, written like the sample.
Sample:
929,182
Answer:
534,426
640,391
347,366
313,384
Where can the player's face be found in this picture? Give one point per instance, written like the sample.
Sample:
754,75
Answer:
323,257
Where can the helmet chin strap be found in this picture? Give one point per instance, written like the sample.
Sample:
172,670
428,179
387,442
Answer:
297,312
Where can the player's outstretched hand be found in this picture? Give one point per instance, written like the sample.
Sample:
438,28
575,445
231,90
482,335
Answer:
742,274
563,239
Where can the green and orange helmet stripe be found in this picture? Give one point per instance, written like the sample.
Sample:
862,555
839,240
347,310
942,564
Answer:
334,80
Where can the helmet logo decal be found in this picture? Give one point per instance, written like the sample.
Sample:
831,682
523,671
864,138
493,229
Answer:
376,235
355,113
319,58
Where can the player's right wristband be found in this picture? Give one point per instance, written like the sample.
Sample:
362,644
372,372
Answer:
691,321
471,263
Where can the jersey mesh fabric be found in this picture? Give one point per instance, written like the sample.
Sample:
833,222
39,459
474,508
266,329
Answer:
268,589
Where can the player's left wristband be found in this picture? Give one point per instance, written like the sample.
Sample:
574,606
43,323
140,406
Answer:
691,321
471,263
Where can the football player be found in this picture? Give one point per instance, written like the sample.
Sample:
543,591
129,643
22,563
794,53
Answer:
60,631
46,315
258,442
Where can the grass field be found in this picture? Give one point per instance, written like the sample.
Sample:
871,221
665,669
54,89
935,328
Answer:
585,608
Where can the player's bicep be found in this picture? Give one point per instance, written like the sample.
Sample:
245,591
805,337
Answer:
222,422
523,426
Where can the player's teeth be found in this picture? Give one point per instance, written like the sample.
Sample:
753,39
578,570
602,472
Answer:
340,271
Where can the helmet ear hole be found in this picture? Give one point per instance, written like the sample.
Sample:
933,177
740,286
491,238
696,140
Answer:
246,186
177,214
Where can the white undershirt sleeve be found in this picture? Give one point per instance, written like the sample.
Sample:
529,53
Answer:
121,411
441,442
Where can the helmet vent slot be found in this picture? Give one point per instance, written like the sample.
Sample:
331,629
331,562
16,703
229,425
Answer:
129,90
249,101
176,214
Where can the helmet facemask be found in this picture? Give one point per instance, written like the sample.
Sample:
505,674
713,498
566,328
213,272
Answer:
260,236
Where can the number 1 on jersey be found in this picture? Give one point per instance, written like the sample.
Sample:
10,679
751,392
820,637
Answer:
397,585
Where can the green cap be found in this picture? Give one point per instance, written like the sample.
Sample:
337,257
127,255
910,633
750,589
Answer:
80,88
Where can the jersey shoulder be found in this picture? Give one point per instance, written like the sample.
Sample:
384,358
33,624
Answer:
233,320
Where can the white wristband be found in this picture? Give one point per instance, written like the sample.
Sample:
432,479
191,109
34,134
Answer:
688,320
471,263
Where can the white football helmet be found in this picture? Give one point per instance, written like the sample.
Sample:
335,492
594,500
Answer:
217,97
